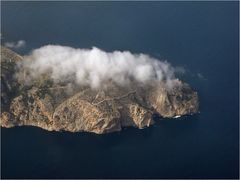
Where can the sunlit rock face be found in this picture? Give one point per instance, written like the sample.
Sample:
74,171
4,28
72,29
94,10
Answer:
74,108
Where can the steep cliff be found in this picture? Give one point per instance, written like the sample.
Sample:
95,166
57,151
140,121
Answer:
58,107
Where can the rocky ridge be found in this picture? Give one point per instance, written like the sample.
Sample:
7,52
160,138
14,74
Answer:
58,107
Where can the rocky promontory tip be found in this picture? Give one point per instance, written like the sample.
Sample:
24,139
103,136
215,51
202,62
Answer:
63,107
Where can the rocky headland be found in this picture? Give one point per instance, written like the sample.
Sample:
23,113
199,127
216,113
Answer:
58,107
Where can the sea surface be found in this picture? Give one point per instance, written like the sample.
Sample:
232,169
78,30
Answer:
202,37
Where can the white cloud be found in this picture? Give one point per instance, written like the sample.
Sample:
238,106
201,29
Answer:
200,76
94,67
180,70
15,45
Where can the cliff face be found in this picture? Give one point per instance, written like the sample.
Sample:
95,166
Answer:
57,107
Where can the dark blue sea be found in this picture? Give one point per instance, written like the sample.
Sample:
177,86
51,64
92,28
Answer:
202,37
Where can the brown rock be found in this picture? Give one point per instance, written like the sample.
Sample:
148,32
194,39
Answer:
53,107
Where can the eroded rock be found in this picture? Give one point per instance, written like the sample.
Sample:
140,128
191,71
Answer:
54,107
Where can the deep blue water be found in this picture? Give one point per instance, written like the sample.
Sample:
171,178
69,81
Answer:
200,36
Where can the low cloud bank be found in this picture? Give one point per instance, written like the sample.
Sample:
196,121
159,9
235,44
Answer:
15,45
95,67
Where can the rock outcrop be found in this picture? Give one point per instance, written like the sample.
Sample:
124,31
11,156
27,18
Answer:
56,107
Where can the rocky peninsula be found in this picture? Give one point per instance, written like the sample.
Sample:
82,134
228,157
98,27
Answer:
58,107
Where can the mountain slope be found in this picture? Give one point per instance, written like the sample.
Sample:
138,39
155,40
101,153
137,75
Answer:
58,106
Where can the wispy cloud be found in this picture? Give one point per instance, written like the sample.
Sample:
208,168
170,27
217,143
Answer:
15,45
200,76
94,66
